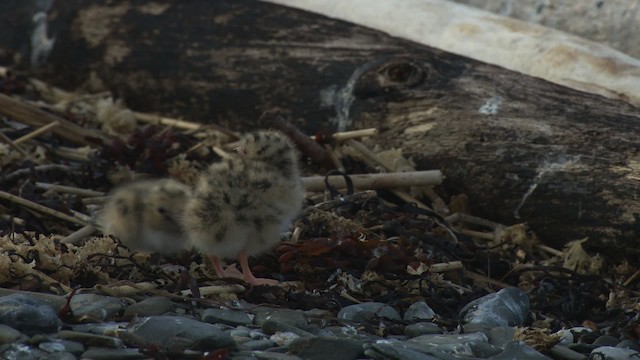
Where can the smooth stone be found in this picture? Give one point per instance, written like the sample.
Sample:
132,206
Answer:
484,350
257,334
113,354
179,333
27,314
266,355
386,350
613,353
418,311
317,348
271,327
460,344
157,305
507,307
21,352
73,347
501,335
61,356
284,316
240,331
91,339
96,307
368,312
257,345
519,350
629,344
566,336
10,335
100,328
582,347
421,328
564,353
606,340
284,338
227,317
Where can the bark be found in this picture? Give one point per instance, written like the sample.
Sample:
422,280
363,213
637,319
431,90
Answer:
523,149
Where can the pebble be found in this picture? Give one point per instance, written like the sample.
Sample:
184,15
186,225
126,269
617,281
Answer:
228,317
613,353
10,335
28,315
156,305
418,311
180,333
96,308
368,312
316,348
421,328
507,307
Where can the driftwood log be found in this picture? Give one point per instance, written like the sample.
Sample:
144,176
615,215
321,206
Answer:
523,149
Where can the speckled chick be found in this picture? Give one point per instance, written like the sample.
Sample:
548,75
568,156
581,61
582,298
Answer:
242,205
145,215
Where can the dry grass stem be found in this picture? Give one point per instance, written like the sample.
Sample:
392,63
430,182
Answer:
79,235
69,189
40,208
37,132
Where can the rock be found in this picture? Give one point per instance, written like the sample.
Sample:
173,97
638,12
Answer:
114,354
228,317
388,349
96,307
21,352
564,353
9,335
507,307
606,340
257,345
284,338
28,315
421,328
418,311
265,355
180,333
284,316
519,350
629,344
368,312
157,305
501,335
91,339
316,348
612,353
459,344
271,327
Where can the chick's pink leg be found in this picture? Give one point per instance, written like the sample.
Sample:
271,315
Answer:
217,266
247,275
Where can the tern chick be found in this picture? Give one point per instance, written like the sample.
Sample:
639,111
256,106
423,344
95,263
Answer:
241,205
145,215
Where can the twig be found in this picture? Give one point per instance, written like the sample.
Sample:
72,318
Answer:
13,219
485,279
20,173
69,189
41,208
343,136
216,289
632,278
37,132
15,146
307,146
78,235
35,117
98,200
446,266
377,181
182,124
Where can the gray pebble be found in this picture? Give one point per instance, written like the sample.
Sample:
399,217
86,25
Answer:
28,315
507,307
157,305
113,354
317,348
271,327
501,335
61,356
228,317
96,307
180,333
421,328
606,340
418,311
519,350
91,339
284,316
629,344
9,335
369,311
57,345
266,355
21,352
613,353
564,353
257,345
387,349
459,344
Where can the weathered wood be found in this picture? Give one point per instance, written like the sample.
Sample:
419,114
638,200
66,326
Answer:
523,149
